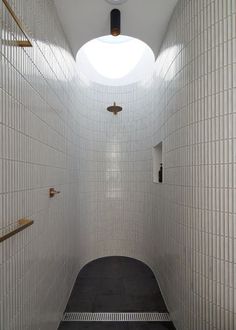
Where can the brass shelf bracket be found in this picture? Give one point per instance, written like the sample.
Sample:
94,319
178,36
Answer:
19,43
15,228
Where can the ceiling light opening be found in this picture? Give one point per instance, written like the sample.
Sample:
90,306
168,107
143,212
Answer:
115,61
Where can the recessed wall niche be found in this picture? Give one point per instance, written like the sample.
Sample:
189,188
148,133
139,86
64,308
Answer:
157,163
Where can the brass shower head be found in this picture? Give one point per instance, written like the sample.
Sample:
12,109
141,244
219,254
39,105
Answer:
114,108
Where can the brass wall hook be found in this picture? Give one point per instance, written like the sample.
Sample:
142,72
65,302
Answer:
53,192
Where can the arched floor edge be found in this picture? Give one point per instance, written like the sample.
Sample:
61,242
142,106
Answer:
116,293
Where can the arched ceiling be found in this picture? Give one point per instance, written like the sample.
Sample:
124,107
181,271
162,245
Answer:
84,20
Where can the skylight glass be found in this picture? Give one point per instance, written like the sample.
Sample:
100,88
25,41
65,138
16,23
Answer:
115,60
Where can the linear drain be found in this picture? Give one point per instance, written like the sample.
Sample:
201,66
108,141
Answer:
116,317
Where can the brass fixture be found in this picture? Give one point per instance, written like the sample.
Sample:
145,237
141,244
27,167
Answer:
115,22
19,43
114,108
53,192
15,228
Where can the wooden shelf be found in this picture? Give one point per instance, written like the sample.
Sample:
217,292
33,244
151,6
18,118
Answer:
19,43
15,228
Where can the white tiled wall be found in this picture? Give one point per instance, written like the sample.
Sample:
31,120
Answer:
115,171
194,115
37,147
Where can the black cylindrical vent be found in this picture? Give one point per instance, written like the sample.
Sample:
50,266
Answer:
115,22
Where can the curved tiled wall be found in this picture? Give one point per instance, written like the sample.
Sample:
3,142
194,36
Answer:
195,207
37,145
115,172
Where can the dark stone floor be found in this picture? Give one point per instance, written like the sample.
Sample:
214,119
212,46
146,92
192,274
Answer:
116,326
116,284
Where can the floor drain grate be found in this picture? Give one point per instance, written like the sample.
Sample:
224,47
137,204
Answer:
116,317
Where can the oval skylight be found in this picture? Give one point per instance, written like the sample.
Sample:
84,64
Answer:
115,61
